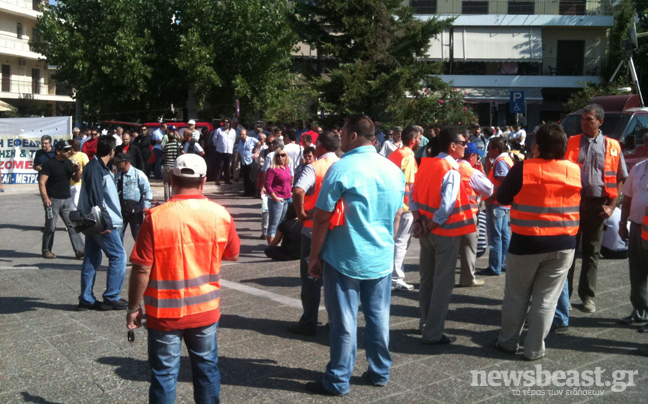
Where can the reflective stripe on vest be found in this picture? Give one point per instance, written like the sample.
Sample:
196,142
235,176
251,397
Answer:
548,202
427,195
466,172
320,166
612,156
495,181
644,226
190,237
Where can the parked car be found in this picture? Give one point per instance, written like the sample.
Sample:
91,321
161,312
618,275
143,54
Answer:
127,126
624,121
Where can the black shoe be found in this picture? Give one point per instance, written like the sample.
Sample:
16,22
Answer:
79,255
367,378
643,329
486,272
559,328
120,304
318,388
443,341
500,348
85,307
302,329
631,320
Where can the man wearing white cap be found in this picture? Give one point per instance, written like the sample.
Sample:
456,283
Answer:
195,133
181,286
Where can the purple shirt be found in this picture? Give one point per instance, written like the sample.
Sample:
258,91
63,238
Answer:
278,181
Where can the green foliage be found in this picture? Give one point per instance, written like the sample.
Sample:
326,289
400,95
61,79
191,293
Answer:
590,90
377,46
445,106
142,56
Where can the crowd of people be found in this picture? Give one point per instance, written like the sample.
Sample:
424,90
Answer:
346,203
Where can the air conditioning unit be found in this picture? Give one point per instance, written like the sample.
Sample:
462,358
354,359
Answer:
22,62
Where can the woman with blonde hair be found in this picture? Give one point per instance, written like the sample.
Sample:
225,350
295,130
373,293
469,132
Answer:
278,185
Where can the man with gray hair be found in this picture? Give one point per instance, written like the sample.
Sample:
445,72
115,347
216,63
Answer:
393,144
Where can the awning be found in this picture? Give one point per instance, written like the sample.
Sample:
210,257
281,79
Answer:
440,46
500,95
5,107
497,44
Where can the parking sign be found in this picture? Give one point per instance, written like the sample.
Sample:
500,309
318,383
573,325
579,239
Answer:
517,102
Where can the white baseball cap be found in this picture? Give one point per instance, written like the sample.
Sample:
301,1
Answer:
190,166
191,122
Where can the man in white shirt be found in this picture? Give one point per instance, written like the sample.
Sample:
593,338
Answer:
223,141
390,145
158,136
294,150
195,133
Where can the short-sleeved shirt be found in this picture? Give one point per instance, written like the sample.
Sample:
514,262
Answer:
143,254
171,152
591,158
636,187
372,192
158,135
59,173
501,169
82,159
246,147
197,148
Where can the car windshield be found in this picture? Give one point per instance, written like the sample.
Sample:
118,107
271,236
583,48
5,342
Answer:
613,125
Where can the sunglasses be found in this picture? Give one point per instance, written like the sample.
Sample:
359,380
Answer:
462,143
282,155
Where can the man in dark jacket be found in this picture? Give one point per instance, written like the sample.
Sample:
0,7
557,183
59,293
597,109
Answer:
144,142
98,189
128,147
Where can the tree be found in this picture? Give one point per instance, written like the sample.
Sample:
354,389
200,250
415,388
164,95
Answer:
370,56
141,56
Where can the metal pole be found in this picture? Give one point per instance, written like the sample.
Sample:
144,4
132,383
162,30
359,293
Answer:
633,74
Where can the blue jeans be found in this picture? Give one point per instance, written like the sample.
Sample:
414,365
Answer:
499,237
342,295
164,348
277,212
561,317
112,246
157,170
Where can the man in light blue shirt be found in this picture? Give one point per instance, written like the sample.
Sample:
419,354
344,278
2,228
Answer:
247,147
158,136
355,257
134,192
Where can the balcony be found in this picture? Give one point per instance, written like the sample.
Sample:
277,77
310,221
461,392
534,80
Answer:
512,7
10,45
24,8
27,88
590,67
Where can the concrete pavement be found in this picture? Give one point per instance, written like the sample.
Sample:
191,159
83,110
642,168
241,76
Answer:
50,353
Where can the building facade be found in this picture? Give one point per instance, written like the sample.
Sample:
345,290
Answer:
543,48
27,82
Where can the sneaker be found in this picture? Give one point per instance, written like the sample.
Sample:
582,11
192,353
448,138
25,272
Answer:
589,306
79,255
486,272
559,328
302,329
401,285
477,283
631,320
318,388
85,307
500,348
120,304
49,255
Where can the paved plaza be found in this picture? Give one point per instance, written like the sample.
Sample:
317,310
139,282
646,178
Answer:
51,353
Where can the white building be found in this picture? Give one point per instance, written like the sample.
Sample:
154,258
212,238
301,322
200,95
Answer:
545,48
26,78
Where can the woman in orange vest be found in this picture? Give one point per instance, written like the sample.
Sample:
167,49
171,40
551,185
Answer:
544,194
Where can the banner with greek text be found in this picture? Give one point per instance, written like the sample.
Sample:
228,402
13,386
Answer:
20,139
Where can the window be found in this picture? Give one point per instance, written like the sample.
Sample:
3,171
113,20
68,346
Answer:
19,30
521,7
424,6
474,7
572,7
6,78
35,81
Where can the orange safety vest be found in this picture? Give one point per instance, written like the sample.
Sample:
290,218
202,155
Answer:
612,156
397,157
495,181
644,226
548,203
321,166
427,195
466,171
190,237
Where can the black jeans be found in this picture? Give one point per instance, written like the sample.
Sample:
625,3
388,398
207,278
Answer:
135,221
277,253
249,183
223,162
311,289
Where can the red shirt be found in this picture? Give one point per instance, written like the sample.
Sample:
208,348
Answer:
143,255
90,147
312,134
